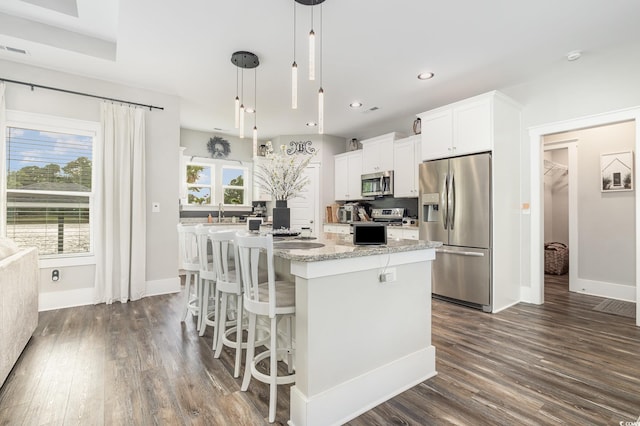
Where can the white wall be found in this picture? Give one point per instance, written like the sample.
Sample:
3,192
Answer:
195,142
556,198
162,133
600,81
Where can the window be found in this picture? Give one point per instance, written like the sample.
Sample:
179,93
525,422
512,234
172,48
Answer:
233,185
211,182
199,184
49,183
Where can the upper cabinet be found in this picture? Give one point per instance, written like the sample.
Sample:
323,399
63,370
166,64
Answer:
377,153
406,157
463,127
348,170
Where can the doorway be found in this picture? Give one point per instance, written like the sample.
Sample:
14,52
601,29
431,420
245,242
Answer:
535,293
560,177
304,208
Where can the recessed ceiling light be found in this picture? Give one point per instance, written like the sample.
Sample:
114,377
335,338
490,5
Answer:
425,75
574,55
355,104
311,124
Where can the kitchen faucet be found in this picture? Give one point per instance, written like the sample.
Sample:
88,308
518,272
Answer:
220,212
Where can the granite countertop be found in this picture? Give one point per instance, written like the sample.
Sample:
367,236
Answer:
339,246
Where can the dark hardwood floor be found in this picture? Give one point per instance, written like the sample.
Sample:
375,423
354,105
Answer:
137,364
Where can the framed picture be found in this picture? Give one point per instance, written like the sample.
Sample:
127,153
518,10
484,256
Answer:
616,171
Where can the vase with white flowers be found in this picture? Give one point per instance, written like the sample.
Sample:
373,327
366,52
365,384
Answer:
282,176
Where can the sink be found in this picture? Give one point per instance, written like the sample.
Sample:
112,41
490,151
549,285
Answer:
296,245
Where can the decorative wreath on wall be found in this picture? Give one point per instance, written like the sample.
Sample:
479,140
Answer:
218,147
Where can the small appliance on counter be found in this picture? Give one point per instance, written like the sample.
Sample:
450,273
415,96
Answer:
348,213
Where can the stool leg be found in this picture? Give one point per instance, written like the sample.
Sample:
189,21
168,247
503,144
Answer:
187,291
251,341
236,370
273,372
204,307
221,323
290,348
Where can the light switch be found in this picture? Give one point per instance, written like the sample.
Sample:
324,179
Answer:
155,207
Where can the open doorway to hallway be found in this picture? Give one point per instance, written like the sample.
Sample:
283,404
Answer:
609,257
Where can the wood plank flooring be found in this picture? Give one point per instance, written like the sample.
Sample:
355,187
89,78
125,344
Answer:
137,364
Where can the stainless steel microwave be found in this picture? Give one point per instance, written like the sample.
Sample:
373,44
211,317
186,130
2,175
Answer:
377,184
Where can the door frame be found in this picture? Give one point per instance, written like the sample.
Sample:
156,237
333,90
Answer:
536,134
572,154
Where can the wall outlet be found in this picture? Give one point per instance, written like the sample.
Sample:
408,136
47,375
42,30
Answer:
388,276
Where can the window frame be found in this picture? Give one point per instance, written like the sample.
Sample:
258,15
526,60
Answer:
217,197
51,123
211,186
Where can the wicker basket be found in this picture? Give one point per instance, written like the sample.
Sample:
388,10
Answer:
556,258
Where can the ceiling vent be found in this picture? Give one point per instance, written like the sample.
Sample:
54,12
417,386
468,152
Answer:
366,111
14,50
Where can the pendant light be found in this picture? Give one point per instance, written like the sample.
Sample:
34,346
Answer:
294,66
255,112
244,60
237,102
312,62
321,91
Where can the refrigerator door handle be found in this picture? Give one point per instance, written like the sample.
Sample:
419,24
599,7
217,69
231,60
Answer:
443,201
451,198
461,253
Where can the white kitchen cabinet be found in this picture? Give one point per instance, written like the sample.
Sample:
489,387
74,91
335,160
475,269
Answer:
337,228
377,153
461,128
402,233
348,171
406,157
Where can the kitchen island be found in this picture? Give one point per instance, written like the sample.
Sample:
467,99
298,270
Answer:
359,339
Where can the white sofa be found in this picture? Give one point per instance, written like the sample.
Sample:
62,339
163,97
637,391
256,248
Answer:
18,302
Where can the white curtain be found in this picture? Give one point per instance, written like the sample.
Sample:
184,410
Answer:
3,161
120,240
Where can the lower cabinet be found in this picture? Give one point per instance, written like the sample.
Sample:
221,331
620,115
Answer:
400,233
343,228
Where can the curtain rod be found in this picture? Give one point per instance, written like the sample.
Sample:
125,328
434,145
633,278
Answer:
32,85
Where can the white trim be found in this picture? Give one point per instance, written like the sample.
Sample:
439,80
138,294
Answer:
536,227
65,299
64,261
163,286
502,308
349,399
605,289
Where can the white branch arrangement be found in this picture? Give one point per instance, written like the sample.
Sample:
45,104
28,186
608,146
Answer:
282,175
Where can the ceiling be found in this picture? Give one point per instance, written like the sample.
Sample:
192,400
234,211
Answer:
372,50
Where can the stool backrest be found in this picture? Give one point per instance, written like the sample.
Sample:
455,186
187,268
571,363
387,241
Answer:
188,246
249,249
223,243
202,232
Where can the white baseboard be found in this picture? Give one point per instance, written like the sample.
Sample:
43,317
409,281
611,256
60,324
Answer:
605,289
65,299
164,286
526,296
502,308
84,296
349,399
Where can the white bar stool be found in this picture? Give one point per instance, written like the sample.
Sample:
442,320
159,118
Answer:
272,299
207,280
190,263
227,284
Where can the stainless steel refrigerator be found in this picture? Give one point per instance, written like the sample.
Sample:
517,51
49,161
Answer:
455,208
